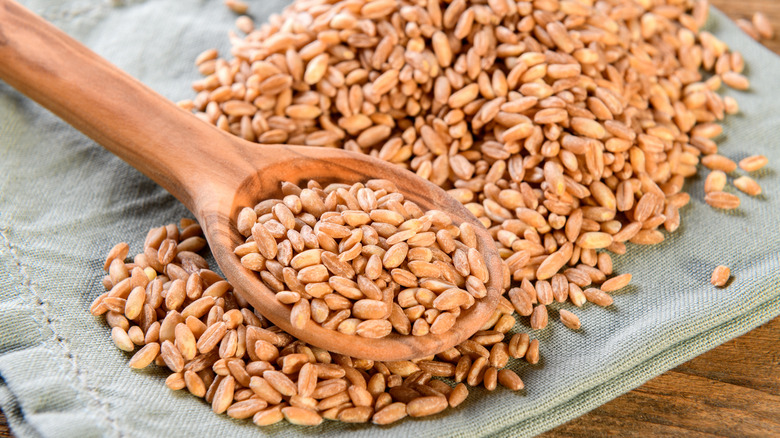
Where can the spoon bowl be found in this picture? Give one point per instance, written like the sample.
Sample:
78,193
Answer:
327,165
215,174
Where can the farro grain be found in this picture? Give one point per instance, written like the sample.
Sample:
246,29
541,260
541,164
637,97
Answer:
553,264
136,335
268,416
753,163
509,379
763,26
723,200
175,382
748,27
115,319
332,401
477,371
389,414
539,317
122,339
264,390
424,406
246,408
462,368
719,162
490,379
117,270
118,252
223,395
152,333
211,337
518,345
544,293
569,319
172,357
245,24
532,355
301,416
360,396
616,283
280,382
499,355
715,182
720,276
135,302
194,383
735,80
143,357
357,414
598,297
747,185
237,6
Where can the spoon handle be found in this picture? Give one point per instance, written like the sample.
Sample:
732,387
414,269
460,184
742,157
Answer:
143,128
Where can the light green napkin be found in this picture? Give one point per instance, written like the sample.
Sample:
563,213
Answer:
64,201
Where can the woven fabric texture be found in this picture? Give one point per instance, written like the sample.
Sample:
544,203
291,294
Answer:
65,201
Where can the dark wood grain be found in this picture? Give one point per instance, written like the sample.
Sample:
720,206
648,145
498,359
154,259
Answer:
737,9
732,390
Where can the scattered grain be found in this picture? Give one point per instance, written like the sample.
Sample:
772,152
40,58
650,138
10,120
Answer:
722,200
747,185
753,163
237,6
763,26
720,276
569,319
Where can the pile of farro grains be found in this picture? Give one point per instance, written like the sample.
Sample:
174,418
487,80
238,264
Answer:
567,127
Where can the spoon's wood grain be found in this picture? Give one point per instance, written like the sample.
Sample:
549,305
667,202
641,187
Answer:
213,173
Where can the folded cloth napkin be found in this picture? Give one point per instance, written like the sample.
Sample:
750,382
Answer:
65,201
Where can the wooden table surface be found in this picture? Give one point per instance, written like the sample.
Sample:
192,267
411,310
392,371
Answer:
732,390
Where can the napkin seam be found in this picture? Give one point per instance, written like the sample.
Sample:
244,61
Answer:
47,321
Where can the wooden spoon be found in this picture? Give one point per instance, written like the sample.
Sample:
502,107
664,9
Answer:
215,174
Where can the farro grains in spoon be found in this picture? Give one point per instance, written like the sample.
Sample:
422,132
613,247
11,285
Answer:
534,115
362,260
